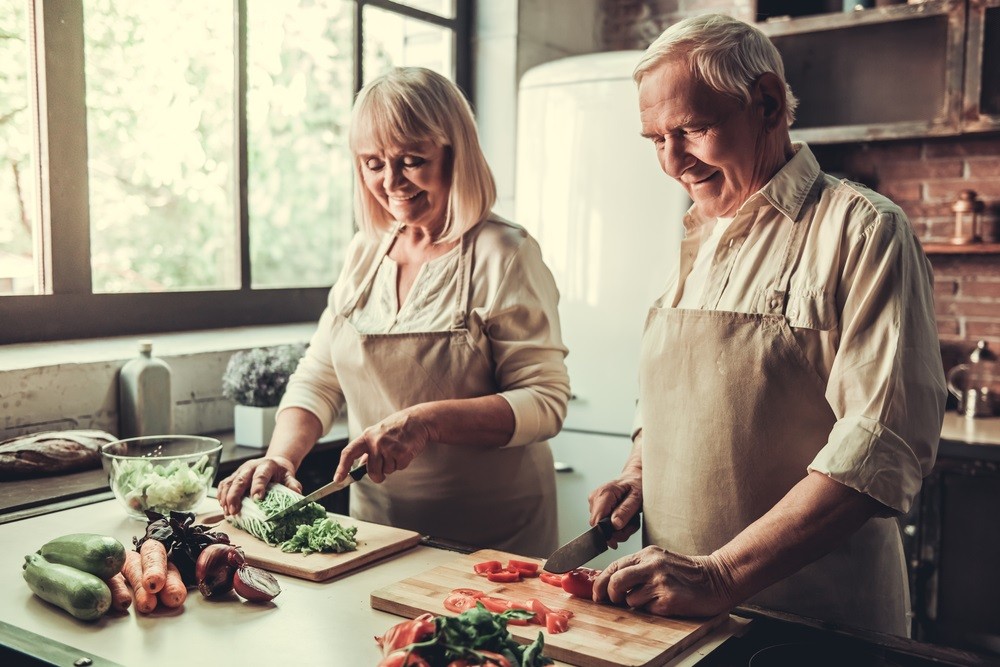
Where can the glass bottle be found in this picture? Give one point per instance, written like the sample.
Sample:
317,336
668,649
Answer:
144,403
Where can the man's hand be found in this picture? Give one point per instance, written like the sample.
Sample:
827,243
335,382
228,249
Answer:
664,583
621,499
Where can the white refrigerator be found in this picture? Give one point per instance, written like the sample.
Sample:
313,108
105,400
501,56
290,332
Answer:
589,188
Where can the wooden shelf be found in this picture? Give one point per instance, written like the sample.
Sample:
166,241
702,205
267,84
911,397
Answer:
964,249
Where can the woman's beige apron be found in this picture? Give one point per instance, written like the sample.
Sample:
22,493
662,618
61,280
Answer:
499,498
733,413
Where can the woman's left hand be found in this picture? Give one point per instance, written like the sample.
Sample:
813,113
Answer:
390,445
664,583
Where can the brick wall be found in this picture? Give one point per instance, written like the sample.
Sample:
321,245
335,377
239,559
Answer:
924,176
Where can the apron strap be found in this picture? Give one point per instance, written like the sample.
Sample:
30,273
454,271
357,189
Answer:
383,250
778,298
465,272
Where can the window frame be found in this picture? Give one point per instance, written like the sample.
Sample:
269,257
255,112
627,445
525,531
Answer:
71,310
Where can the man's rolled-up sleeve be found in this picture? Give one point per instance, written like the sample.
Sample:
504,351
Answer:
886,384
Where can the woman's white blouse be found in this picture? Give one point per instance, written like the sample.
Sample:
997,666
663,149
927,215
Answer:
429,306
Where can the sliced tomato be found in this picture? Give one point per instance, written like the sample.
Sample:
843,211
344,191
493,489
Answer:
488,566
457,602
496,605
503,576
525,606
556,623
580,582
406,633
539,609
552,579
494,659
526,568
471,592
403,658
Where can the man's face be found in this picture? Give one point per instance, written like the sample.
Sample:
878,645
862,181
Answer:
709,142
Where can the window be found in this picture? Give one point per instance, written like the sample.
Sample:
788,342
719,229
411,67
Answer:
183,164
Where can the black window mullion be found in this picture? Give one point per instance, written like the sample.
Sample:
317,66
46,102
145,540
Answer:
359,44
463,48
62,121
413,12
242,168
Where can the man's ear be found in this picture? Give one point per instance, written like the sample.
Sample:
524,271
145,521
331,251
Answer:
768,95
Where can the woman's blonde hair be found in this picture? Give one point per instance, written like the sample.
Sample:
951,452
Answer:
409,105
726,53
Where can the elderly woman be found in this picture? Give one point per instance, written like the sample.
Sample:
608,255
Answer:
441,338
791,391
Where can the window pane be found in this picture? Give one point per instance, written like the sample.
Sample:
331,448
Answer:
17,155
300,78
444,8
392,40
160,133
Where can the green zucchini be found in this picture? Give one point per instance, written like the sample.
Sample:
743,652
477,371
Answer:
80,593
100,555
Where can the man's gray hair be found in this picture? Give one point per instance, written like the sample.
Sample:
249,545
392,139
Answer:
726,53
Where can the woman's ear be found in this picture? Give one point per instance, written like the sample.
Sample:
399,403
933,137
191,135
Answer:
768,94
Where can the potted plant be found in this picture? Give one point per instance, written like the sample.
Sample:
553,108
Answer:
255,380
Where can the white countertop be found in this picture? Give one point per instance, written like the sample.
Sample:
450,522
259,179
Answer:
328,623
974,431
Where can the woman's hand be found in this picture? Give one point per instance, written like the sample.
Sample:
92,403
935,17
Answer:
390,445
621,499
255,475
664,583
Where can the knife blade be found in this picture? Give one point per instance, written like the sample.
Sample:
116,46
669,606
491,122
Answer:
585,547
323,492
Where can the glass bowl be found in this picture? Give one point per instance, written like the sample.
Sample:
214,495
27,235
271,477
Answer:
162,473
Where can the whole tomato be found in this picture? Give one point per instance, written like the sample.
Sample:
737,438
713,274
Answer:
580,582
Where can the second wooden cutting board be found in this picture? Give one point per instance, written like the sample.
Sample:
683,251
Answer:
375,542
598,636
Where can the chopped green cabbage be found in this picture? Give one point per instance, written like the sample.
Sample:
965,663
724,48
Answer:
307,529
322,535
144,485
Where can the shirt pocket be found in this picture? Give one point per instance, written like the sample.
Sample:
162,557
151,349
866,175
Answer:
811,309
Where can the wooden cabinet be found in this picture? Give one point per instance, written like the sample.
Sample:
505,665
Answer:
900,71
981,102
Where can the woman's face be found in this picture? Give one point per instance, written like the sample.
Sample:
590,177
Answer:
411,182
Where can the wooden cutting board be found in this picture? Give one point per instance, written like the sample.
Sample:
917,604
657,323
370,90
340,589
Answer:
598,636
375,542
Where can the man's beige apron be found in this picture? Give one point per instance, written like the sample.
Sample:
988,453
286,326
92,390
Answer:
733,414
501,498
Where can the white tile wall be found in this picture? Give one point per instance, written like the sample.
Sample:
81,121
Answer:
74,384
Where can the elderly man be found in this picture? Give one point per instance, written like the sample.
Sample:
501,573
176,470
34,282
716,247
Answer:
791,386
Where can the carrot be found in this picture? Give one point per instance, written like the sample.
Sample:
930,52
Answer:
145,601
154,565
121,596
174,591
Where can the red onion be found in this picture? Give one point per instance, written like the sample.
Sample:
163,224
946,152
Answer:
216,566
255,584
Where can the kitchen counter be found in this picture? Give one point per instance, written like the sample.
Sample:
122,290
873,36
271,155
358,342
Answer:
332,623
966,438
22,498
309,623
